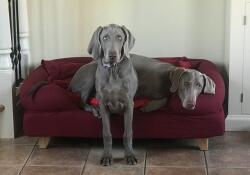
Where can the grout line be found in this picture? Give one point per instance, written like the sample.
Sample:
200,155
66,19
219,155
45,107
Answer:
145,162
55,165
34,146
175,166
85,162
206,162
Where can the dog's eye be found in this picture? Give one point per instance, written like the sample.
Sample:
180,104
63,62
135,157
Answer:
198,85
105,37
119,37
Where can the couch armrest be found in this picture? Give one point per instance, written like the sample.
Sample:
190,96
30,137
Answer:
50,97
211,70
206,103
37,75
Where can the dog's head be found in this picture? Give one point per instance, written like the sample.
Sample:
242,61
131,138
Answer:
111,43
189,83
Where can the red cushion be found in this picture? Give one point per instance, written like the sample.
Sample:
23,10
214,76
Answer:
61,69
55,96
52,97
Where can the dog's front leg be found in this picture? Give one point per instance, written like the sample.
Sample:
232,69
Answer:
128,135
106,159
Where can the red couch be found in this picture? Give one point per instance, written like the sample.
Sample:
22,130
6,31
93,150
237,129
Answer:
54,111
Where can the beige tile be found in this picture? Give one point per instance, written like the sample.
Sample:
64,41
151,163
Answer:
228,171
25,140
100,170
51,170
118,157
5,141
14,154
231,140
228,158
175,157
9,170
70,156
175,171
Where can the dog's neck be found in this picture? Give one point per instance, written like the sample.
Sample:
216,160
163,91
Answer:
113,73
116,71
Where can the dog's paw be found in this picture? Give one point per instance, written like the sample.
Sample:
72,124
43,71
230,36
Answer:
131,159
106,160
96,114
95,111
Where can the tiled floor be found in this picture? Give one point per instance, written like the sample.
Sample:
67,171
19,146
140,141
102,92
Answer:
227,155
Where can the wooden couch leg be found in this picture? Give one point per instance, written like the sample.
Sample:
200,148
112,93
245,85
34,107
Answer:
203,144
43,142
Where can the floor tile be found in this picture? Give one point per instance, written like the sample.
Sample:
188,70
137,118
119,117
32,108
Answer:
228,171
14,154
174,143
100,170
9,170
5,141
51,170
231,140
228,158
70,156
175,171
118,156
175,157
25,140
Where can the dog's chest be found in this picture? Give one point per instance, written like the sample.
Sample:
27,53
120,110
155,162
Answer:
114,94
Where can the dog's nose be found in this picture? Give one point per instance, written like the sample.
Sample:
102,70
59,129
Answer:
190,105
112,55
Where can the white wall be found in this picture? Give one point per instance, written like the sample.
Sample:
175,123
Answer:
6,74
194,28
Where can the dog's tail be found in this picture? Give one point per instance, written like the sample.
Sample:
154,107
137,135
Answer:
36,87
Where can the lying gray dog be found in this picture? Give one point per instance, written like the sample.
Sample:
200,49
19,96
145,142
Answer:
115,84
189,83
156,80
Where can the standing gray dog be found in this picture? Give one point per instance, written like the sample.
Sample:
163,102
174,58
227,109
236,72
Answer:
115,84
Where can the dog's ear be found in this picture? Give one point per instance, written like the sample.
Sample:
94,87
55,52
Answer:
175,77
209,85
129,41
95,48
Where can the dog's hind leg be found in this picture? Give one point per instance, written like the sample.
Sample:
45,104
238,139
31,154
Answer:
106,159
154,105
128,135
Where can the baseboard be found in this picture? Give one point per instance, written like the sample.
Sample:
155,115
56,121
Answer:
238,123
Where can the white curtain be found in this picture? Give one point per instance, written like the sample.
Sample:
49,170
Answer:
63,28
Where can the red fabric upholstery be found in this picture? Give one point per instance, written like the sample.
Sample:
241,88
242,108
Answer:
78,123
54,111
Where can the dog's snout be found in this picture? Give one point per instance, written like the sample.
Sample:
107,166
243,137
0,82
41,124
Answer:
112,55
190,105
